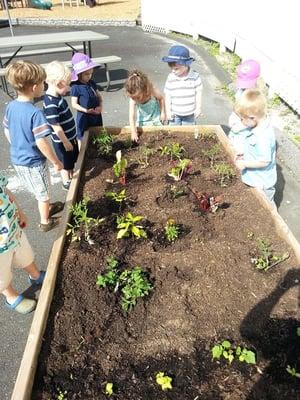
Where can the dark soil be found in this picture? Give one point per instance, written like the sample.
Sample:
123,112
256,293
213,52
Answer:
205,290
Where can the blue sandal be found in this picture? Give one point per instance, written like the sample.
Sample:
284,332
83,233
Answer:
22,305
39,281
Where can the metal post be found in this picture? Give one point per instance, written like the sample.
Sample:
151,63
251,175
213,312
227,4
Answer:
8,17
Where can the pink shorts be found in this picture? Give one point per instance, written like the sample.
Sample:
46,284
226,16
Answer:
19,257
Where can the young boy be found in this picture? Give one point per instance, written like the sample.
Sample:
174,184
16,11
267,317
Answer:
15,251
183,88
257,161
26,128
61,119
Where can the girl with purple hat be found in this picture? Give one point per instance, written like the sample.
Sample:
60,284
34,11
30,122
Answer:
85,96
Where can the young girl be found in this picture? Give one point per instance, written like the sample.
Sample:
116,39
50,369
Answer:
85,96
146,104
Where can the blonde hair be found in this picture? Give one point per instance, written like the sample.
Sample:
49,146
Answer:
57,72
251,103
138,82
24,74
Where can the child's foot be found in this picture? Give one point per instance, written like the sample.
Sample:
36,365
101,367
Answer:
39,281
22,305
52,223
55,208
66,185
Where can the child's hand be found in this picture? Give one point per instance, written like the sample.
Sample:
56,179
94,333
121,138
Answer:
22,219
98,110
163,117
90,111
240,163
134,137
68,145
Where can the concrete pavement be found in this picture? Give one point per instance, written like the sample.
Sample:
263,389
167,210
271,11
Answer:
144,51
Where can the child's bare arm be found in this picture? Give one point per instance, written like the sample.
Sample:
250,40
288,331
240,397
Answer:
168,106
132,120
77,106
61,134
22,217
46,149
162,104
242,164
98,109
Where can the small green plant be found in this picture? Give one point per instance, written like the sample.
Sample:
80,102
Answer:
266,259
176,192
61,395
226,90
118,198
225,173
127,226
109,389
225,350
164,381
146,153
104,143
133,283
275,101
292,371
80,219
119,168
180,170
174,150
298,331
212,153
171,230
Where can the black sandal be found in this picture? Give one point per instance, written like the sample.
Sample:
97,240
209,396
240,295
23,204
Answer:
52,223
55,208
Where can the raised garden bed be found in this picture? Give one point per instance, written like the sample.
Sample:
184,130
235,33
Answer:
204,286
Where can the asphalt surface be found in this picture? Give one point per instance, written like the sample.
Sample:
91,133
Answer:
144,51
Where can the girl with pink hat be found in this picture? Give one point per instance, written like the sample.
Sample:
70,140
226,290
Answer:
85,96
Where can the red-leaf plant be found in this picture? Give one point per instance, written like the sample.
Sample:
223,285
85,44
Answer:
206,202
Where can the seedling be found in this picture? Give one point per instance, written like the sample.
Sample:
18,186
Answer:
225,350
119,168
127,225
110,278
109,389
104,143
146,153
61,395
206,202
174,150
171,230
225,172
164,381
266,259
298,331
181,169
212,153
80,220
292,371
175,192
118,198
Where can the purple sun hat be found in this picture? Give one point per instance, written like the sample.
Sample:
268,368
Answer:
80,63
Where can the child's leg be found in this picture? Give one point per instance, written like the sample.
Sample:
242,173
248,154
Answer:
64,176
44,211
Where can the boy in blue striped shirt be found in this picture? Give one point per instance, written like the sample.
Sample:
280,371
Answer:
60,117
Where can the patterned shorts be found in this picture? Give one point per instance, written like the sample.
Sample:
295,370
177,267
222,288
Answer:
35,179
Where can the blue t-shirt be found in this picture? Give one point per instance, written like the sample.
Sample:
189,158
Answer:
260,145
10,231
58,112
25,124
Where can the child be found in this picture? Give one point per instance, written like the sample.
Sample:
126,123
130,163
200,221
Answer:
257,162
26,128
183,88
85,96
61,119
146,104
15,250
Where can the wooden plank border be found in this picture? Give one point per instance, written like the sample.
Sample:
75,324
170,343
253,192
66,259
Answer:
24,382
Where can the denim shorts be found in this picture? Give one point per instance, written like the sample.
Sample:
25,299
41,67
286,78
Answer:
182,120
35,179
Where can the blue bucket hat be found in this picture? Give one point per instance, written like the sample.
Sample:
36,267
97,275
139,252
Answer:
179,55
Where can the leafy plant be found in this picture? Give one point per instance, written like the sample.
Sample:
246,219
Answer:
171,230
118,198
206,202
180,170
80,219
176,192
174,150
225,350
266,259
292,371
298,331
119,167
109,389
61,395
104,143
127,225
132,282
212,153
164,381
146,152
225,172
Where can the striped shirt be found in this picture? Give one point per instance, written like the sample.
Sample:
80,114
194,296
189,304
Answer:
25,124
182,92
58,112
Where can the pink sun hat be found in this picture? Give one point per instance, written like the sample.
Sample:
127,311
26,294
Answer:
80,63
247,73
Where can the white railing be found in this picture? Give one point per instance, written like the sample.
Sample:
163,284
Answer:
266,31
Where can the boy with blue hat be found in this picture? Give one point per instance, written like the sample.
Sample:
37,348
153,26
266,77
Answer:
183,88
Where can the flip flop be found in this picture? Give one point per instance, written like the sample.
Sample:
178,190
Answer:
22,305
55,208
39,281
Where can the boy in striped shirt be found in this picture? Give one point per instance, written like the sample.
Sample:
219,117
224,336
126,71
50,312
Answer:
183,88
60,117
